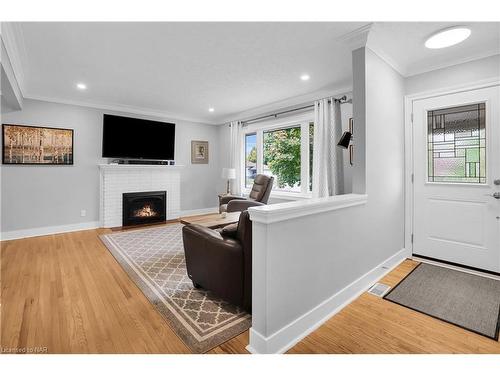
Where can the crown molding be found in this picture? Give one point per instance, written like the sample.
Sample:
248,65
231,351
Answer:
465,60
125,109
13,41
393,64
372,44
12,94
288,103
357,38
406,71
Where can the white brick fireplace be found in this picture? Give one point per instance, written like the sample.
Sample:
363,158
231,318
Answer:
117,179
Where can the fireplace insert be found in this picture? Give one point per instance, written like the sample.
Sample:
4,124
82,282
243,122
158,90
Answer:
144,207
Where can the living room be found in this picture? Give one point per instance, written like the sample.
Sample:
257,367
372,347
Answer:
249,187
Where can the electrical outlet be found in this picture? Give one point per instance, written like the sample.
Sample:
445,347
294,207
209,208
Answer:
83,213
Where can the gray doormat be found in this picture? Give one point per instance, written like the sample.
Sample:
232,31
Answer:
469,301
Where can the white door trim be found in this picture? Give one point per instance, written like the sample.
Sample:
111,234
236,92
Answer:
409,99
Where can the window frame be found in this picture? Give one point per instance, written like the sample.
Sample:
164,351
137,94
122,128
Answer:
244,178
303,121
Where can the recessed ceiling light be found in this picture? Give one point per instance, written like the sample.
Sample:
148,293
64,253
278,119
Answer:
81,86
447,37
305,77
211,109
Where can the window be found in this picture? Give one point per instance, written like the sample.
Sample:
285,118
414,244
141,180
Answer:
282,150
457,144
282,158
250,159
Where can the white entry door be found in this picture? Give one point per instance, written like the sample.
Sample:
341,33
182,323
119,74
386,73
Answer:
456,184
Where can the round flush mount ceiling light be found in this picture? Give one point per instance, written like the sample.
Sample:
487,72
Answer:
305,77
81,86
211,109
448,37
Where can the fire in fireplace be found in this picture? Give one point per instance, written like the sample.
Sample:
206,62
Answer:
144,207
146,211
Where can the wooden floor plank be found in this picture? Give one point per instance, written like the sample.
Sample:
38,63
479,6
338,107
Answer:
67,293
373,325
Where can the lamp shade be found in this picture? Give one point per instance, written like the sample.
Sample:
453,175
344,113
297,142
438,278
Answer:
344,140
229,173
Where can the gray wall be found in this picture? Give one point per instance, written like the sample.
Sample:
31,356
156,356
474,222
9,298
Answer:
42,196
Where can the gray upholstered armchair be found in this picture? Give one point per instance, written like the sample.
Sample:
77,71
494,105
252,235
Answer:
259,195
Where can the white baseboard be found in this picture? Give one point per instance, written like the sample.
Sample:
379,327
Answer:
292,333
43,231
200,211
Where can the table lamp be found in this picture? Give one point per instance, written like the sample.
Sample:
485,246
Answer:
228,174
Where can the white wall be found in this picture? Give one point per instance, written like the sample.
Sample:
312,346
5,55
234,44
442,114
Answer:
43,196
303,263
457,75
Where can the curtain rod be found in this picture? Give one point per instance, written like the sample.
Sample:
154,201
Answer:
341,100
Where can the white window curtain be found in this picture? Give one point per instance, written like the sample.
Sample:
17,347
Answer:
328,163
235,154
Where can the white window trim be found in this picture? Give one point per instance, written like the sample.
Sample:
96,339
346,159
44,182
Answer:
303,120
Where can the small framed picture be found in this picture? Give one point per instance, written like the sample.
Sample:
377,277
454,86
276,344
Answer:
199,152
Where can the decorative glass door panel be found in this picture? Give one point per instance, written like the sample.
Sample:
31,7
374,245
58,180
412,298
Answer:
457,144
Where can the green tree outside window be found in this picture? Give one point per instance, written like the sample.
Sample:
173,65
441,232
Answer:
282,155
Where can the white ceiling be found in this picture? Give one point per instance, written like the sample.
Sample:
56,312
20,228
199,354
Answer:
402,44
182,69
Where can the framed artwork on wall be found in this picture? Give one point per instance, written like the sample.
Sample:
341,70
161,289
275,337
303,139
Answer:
199,152
35,145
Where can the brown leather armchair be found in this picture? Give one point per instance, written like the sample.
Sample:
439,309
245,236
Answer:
260,192
221,260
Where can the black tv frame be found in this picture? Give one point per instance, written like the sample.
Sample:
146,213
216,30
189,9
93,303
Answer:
122,159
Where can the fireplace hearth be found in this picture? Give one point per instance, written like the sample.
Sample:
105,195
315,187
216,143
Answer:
144,207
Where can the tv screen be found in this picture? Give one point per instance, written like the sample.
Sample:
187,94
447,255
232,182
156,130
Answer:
132,138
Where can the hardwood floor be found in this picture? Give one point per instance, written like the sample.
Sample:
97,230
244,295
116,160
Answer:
373,325
66,293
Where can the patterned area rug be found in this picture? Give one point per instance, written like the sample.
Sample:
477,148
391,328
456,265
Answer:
154,260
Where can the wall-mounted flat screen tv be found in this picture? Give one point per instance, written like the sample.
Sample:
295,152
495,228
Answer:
132,138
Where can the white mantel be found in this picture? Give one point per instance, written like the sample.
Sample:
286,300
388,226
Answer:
117,179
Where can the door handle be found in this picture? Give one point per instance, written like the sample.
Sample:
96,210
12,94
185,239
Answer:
495,195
